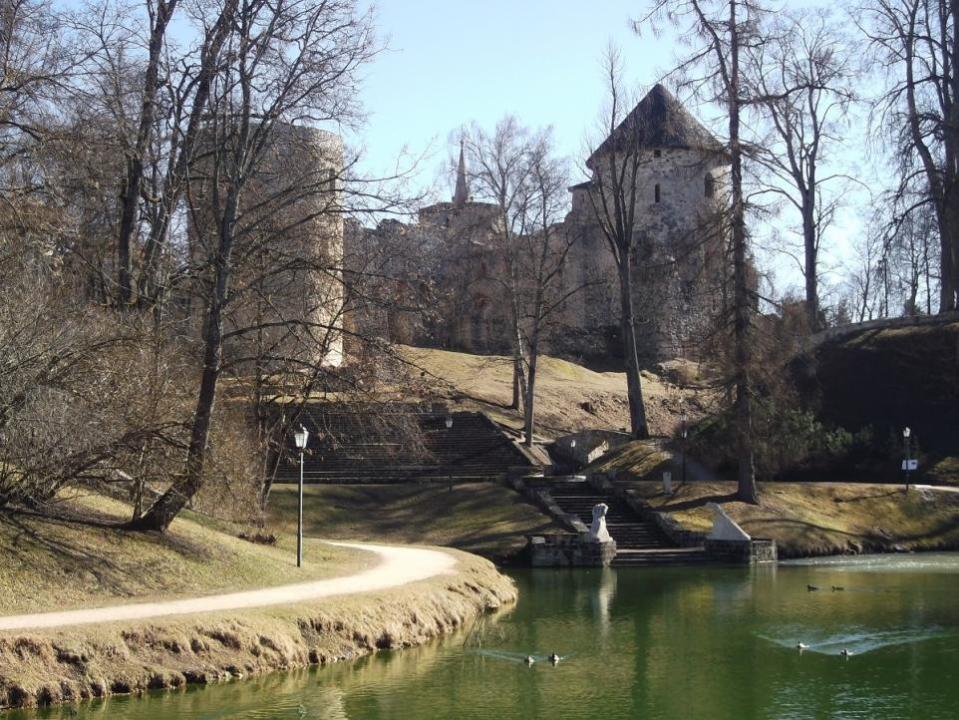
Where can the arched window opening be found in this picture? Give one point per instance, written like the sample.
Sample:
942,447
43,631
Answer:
710,186
656,192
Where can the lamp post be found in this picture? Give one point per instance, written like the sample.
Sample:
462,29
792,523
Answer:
906,435
449,476
685,433
300,437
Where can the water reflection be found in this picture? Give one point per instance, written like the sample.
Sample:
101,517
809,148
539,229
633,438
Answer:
658,643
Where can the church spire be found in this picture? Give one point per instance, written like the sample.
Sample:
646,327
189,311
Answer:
462,194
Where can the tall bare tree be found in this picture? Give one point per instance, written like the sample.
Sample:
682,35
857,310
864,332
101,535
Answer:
802,80
519,172
296,61
719,31
614,196
918,45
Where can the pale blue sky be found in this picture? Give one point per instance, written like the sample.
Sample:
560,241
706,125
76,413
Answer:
451,63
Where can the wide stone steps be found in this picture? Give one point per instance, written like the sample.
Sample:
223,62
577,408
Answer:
639,543
359,447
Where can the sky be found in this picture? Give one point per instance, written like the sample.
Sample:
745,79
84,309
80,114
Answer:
453,63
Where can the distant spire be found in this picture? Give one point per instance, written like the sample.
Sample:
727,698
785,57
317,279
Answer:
462,194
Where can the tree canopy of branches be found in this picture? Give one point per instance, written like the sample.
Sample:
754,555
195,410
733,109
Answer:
801,77
917,44
518,172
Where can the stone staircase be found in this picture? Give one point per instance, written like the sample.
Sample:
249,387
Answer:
342,448
638,542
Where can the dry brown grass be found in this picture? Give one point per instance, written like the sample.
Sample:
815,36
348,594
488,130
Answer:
62,563
822,518
569,397
639,458
76,663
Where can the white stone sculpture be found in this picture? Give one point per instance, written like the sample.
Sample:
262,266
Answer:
598,531
724,527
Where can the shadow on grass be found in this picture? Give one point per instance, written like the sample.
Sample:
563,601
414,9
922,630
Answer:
38,535
475,519
696,502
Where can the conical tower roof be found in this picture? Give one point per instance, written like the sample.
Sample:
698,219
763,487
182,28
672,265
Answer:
658,121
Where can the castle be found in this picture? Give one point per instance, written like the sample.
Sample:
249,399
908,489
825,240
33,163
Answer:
679,259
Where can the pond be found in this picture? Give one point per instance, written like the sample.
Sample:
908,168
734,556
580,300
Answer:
693,642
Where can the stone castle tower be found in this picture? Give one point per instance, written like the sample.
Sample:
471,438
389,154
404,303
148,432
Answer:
680,185
290,238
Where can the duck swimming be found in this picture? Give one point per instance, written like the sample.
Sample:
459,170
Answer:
554,658
846,653
800,646
530,659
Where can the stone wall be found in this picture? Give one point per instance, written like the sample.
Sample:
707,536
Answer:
569,551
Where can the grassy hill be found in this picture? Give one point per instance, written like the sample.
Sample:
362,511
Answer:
809,519
569,397
889,379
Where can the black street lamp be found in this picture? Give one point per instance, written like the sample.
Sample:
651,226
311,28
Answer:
685,434
449,477
300,437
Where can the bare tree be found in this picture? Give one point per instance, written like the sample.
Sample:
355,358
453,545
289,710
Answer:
159,13
719,31
614,196
802,79
501,175
518,171
282,64
917,44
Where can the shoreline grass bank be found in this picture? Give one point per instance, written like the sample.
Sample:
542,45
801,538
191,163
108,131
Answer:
59,564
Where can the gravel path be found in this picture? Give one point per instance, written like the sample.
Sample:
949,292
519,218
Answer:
398,566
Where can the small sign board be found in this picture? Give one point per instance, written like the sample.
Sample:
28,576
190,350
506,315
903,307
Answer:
908,465
667,482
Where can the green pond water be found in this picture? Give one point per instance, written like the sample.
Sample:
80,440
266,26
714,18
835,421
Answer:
657,643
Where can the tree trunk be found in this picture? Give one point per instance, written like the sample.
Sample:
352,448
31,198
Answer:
949,250
528,408
169,505
634,386
810,269
131,189
741,301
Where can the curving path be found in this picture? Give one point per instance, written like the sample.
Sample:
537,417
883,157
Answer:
399,566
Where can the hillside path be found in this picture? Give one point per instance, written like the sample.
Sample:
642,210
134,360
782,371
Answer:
398,566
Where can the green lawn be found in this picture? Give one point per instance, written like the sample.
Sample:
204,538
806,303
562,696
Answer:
485,518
